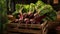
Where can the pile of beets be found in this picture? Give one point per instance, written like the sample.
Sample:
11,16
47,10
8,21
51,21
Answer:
28,18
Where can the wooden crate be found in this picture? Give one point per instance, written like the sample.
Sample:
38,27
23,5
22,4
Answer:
27,28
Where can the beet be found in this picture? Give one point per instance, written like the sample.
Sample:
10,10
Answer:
32,21
26,20
15,21
39,18
25,15
36,14
31,15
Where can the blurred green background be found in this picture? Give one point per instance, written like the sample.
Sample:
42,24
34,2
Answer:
3,14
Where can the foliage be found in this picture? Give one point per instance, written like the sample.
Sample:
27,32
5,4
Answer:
32,7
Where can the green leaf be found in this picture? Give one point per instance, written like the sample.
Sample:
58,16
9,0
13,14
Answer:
18,6
26,8
32,7
39,3
52,15
45,9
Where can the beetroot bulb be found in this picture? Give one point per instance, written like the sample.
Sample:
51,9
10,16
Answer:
39,18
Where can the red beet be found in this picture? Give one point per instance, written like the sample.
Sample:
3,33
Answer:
15,21
32,21
21,17
36,14
26,20
39,18
25,15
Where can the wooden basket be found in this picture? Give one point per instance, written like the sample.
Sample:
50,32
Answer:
27,28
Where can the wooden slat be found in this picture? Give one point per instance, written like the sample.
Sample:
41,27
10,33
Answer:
25,30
